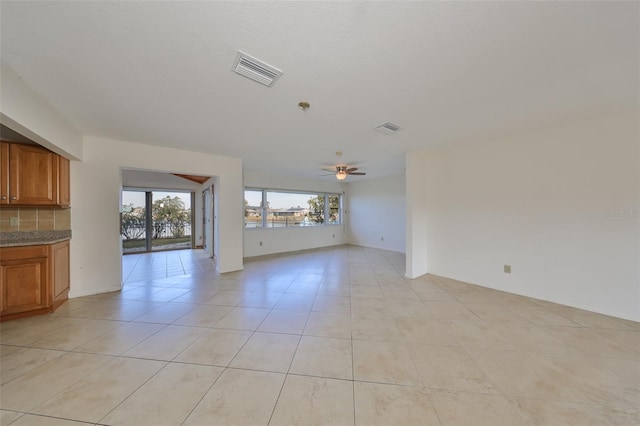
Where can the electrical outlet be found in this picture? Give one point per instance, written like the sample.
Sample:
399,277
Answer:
507,269
381,238
260,243
13,221
333,235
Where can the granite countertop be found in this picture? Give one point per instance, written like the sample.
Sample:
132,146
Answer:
33,238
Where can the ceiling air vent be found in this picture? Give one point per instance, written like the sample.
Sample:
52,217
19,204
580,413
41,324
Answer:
388,128
256,70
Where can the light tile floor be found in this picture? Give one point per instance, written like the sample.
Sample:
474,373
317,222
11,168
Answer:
330,336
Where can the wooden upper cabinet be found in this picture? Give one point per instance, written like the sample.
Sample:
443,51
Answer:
33,176
64,190
4,173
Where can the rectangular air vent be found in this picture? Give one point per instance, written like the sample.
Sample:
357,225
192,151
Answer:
256,70
388,128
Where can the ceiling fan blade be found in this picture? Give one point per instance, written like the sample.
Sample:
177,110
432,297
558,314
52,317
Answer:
357,173
351,169
329,170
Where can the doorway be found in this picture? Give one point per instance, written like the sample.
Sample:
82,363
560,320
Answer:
155,220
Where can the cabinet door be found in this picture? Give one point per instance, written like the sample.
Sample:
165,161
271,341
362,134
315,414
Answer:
33,176
23,285
64,193
4,173
59,264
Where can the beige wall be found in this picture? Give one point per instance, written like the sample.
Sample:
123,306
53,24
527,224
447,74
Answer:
377,213
560,205
283,240
96,186
26,112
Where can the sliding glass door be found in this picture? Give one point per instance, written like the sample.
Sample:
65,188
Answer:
171,220
133,227
155,220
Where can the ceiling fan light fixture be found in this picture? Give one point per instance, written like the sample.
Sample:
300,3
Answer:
343,170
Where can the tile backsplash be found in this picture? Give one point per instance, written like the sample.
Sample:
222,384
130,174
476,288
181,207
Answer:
34,219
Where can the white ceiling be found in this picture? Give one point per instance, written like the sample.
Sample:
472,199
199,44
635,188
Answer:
447,72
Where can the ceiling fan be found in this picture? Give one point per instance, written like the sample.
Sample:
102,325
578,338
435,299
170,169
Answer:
343,170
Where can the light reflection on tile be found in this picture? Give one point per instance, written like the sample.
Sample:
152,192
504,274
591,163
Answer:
238,397
335,335
167,398
381,404
314,401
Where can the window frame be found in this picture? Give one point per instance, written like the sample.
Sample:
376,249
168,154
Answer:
326,212
261,206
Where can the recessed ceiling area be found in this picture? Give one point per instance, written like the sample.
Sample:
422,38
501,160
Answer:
161,73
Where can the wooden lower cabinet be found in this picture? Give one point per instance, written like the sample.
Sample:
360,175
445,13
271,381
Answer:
33,279
24,280
59,273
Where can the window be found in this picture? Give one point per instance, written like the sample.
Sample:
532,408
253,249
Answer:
334,209
287,209
283,209
253,203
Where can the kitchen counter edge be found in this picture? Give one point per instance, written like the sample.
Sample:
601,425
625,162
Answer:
33,238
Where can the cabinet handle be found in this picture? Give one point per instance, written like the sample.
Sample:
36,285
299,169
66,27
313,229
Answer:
4,197
14,197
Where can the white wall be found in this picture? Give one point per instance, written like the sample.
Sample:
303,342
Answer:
24,111
280,240
376,210
95,190
542,203
416,204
